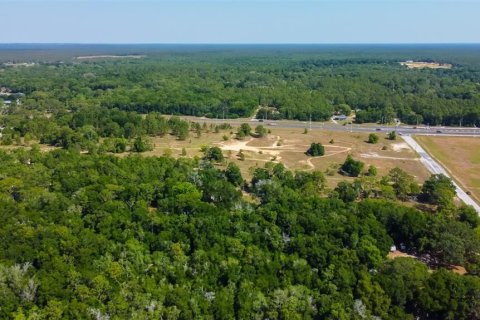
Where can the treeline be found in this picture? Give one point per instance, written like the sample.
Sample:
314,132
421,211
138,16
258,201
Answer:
89,127
220,84
96,236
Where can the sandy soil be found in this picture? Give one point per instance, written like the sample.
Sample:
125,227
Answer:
421,65
398,147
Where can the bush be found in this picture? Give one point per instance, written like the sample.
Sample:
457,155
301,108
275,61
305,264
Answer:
351,167
372,138
244,131
213,154
315,150
392,135
142,144
372,171
260,131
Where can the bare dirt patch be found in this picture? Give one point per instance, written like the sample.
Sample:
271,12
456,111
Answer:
398,147
288,146
423,64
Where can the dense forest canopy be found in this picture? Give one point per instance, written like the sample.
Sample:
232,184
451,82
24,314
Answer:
87,234
96,236
230,82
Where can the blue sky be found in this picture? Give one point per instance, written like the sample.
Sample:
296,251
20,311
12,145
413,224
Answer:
237,21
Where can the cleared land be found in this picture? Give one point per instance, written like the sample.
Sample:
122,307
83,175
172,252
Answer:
460,156
422,64
288,146
109,57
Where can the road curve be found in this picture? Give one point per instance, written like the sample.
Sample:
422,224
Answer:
435,168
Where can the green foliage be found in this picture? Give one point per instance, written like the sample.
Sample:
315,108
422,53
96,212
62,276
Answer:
213,154
233,174
100,236
141,144
315,150
181,237
392,135
235,82
244,131
180,128
260,131
404,185
373,138
346,192
351,167
372,171
438,190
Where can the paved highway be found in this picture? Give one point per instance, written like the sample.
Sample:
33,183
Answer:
291,124
435,168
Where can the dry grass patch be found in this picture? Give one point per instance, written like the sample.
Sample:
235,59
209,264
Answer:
288,146
460,156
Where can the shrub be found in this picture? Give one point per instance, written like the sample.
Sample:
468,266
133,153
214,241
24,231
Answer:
392,135
213,154
372,138
351,167
315,150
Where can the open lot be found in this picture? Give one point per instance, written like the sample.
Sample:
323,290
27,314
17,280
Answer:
460,156
429,65
288,146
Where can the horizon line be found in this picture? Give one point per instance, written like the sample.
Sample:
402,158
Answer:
239,43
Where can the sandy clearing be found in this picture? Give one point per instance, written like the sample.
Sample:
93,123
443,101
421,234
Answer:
375,155
275,150
398,147
423,64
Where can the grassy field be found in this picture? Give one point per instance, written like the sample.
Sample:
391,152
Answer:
288,146
461,158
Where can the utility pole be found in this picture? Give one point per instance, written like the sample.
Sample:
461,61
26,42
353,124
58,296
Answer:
310,121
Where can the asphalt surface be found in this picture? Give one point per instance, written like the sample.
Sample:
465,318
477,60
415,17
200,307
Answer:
435,168
329,126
